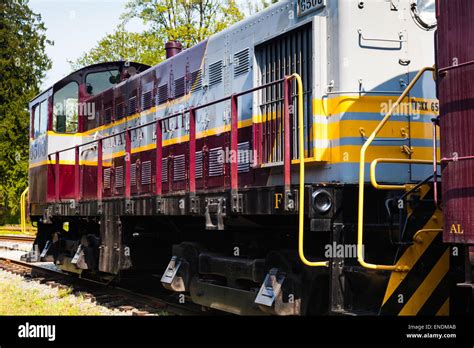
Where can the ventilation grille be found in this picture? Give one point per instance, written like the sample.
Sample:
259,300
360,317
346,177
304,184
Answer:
107,179
133,174
108,115
243,160
147,100
215,73
146,173
164,169
132,105
196,80
163,94
199,165
179,87
241,62
216,163
119,177
179,168
119,111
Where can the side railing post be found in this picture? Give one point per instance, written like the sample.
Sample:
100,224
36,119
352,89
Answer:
128,162
287,134
77,174
99,170
192,151
56,176
234,141
159,159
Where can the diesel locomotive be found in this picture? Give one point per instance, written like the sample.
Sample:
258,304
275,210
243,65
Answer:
287,165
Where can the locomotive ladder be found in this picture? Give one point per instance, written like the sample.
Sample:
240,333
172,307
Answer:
286,81
360,222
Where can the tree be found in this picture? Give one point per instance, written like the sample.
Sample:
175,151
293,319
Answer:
254,6
188,21
23,63
123,45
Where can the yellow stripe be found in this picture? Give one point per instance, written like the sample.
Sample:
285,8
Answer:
429,284
444,310
326,107
351,128
342,154
370,104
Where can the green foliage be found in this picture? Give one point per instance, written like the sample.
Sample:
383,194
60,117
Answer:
187,21
23,63
123,45
254,6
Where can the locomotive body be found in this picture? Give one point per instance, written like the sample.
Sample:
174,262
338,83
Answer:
197,160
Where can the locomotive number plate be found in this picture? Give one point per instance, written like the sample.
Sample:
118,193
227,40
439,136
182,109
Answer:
308,6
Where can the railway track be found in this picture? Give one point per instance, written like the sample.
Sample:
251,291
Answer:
17,238
103,294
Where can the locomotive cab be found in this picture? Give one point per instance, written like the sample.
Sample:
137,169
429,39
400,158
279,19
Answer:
58,117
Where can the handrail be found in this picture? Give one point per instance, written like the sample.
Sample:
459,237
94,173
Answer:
453,67
373,166
176,114
360,222
233,98
302,180
416,238
23,210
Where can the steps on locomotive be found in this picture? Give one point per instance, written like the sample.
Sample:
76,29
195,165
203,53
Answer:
233,284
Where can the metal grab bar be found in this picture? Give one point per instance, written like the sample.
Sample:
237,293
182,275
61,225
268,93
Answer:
363,150
417,238
453,67
373,166
400,40
302,180
23,210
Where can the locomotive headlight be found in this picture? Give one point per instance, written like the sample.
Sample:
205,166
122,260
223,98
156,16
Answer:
322,201
424,13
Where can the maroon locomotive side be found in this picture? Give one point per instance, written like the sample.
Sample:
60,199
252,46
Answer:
456,93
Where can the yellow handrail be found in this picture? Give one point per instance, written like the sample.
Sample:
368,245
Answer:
373,166
416,237
23,210
360,222
301,190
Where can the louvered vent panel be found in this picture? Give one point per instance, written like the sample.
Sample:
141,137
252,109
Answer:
198,164
243,162
196,80
164,169
106,178
179,168
179,87
108,115
133,174
119,111
241,62
215,73
147,100
163,94
146,173
119,177
132,105
216,163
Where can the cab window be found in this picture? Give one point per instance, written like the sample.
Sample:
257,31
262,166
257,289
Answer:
65,109
40,116
100,81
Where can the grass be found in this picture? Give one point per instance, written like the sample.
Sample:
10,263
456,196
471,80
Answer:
15,299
